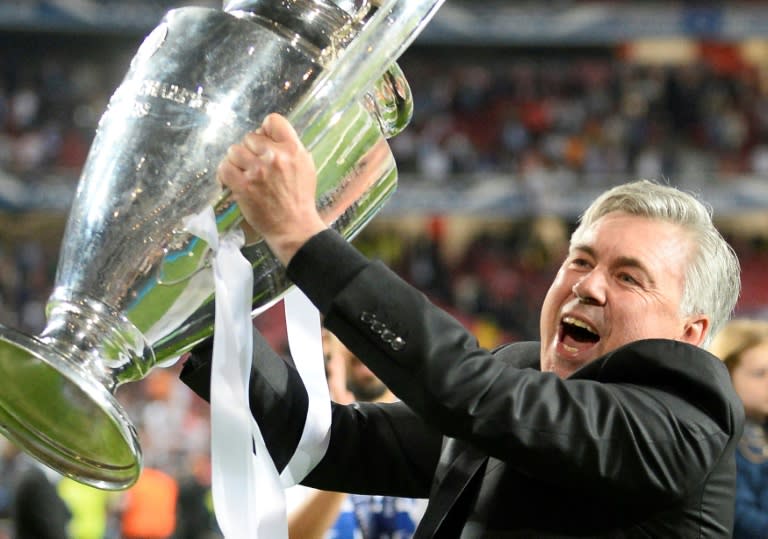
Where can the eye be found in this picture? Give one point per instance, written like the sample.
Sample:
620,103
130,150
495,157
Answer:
580,262
628,279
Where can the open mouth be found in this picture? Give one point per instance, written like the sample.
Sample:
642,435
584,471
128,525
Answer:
576,335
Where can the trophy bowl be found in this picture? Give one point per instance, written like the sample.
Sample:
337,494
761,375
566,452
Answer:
134,288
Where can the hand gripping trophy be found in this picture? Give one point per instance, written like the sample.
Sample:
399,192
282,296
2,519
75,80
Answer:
133,288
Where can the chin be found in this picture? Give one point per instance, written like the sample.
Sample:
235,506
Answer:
565,366
564,370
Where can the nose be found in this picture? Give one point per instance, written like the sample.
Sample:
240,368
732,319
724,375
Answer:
590,289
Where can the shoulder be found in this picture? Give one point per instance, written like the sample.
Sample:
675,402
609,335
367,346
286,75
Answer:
523,355
676,369
649,361
652,357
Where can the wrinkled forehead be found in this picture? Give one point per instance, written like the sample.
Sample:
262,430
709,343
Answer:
665,246
630,221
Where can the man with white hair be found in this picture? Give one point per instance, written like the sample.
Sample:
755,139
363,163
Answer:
616,424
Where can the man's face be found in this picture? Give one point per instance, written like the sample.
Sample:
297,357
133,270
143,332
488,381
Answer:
629,273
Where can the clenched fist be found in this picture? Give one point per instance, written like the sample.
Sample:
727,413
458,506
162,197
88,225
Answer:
273,179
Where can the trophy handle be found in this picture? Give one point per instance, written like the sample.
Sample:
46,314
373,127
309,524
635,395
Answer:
386,34
95,431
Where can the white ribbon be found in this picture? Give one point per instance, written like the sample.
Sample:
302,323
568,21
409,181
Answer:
306,345
247,490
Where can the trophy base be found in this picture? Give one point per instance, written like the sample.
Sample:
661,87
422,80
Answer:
55,411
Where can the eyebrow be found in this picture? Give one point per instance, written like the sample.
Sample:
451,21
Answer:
621,262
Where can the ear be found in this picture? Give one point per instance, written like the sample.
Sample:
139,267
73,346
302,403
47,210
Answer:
695,330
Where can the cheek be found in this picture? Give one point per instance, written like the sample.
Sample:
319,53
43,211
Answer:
546,305
550,307
644,320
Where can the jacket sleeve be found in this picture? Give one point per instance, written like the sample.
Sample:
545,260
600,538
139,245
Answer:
651,420
278,399
375,448
382,449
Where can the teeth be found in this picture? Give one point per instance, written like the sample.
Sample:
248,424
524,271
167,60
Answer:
578,323
570,349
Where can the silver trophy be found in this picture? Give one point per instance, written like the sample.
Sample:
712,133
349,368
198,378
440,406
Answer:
134,289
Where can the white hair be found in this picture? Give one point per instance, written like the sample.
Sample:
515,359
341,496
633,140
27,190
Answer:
712,279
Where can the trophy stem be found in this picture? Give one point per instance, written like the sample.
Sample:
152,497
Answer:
97,338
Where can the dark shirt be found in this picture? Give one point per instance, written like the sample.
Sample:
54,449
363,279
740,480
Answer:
752,483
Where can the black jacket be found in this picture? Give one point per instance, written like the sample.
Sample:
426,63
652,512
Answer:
638,443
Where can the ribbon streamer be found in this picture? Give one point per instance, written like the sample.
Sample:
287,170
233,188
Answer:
306,345
247,490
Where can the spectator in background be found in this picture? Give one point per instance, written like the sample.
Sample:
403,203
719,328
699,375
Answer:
149,506
195,518
743,347
319,514
90,508
31,503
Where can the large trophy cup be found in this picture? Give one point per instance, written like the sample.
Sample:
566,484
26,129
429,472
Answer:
134,289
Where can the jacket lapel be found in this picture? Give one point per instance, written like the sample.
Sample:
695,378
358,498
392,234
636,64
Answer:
461,462
457,474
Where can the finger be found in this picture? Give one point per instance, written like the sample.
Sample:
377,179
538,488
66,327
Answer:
279,129
228,174
240,156
259,146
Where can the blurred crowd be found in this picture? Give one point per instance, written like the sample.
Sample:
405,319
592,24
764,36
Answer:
566,119
570,117
546,120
